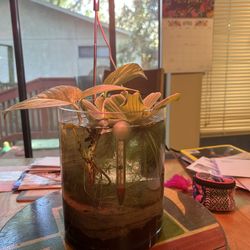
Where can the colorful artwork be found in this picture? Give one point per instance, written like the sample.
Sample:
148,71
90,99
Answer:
40,225
188,8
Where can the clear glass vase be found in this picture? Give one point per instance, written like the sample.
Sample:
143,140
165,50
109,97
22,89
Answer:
112,174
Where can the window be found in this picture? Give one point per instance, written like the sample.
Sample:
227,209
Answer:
6,66
53,53
88,51
138,33
225,107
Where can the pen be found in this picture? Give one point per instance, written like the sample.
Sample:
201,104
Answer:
18,181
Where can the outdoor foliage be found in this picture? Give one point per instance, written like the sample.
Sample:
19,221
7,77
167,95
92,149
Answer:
74,5
141,20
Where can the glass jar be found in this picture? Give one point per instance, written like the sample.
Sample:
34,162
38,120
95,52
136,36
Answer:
112,175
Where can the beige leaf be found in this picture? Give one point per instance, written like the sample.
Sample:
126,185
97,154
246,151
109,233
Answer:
163,103
67,93
134,107
100,89
125,93
119,99
55,97
113,111
124,74
150,100
99,102
92,109
133,103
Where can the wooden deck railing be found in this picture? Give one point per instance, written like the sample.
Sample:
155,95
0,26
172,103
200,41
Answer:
43,122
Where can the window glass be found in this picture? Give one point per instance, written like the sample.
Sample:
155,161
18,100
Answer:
88,52
8,84
6,64
137,32
57,41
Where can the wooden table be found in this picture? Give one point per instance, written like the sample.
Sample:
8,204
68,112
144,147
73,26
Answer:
236,225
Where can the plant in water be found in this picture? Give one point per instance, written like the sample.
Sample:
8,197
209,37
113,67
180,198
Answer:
112,153
106,109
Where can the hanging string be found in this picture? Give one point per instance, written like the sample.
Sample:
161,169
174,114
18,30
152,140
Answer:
96,9
106,41
96,24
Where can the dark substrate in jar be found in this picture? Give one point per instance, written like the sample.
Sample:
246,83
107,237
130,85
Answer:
137,239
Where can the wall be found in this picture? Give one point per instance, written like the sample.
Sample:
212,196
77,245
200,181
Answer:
183,123
184,115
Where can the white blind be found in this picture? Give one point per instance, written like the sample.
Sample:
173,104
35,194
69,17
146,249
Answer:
225,105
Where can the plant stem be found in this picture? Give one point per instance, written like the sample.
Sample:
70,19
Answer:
89,157
120,170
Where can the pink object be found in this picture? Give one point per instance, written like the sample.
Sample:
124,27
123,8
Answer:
178,181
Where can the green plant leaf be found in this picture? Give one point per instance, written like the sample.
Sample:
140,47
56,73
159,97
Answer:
54,97
124,74
151,99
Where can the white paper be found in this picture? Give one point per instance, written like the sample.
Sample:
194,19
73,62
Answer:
243,183
10,175
204,165
233,167
226,166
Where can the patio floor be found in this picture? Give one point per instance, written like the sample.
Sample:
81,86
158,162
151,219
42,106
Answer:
41,148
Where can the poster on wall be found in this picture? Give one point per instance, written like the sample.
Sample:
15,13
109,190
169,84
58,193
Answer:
187,35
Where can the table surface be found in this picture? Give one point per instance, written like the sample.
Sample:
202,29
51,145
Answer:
235,224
